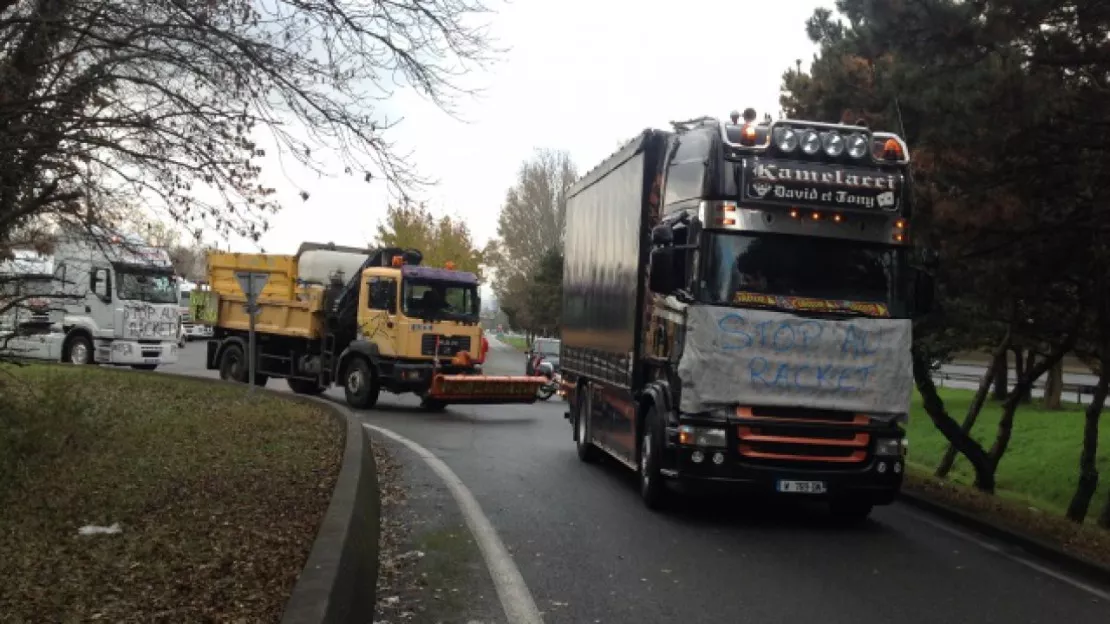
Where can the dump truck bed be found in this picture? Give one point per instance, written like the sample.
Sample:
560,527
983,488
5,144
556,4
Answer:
286,308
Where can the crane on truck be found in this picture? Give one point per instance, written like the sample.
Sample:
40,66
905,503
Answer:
737,305
394,325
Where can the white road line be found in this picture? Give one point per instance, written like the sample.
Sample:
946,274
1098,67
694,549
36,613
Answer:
516,600
1064,578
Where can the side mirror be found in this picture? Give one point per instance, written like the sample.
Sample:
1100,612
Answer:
662,271
662,235
924,294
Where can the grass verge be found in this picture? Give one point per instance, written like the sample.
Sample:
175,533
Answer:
218,496
1035,480
517,342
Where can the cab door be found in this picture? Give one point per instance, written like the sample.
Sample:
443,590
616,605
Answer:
377,317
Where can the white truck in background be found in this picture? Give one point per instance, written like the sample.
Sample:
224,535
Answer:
189,328
110,300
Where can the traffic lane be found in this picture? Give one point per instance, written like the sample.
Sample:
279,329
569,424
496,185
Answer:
191,361
590,551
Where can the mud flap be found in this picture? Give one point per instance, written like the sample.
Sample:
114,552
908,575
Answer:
485,389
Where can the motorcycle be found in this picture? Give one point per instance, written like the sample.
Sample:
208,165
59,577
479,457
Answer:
554,381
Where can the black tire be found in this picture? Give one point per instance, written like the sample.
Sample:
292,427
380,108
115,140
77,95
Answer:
587,452
361,388
545,392
79,347
850,510
233,364
144,367
433,405
304,386
653,489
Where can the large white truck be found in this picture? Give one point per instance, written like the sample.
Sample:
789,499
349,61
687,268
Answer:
110,300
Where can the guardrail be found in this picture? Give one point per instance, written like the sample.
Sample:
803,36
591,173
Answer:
1069,389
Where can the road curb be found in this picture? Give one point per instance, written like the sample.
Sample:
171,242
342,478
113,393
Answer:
339,580
1075,564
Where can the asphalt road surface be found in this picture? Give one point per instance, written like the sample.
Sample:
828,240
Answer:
589,551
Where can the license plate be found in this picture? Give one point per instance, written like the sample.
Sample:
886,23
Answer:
802,487
150,360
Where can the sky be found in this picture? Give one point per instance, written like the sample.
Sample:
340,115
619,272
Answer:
581,76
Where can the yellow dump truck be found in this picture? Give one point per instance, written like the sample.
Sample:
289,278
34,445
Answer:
363,319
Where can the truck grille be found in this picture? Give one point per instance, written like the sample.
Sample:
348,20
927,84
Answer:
801,437
448,345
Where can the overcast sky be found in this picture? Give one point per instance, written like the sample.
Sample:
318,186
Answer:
581,76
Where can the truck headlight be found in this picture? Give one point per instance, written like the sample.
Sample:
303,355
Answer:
890,447
122,348
702,436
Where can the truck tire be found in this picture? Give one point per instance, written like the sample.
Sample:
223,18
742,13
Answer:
304,386
362,387
587,452
79,350
233,364
432,405
653,490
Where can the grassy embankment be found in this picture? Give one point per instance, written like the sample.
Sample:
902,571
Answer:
1035,480
218,496
519,343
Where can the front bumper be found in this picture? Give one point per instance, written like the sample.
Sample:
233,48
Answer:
196,331
132,352
875,478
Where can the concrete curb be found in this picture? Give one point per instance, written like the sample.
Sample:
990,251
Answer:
1074,564
339,581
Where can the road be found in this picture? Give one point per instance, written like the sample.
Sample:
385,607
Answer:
590,552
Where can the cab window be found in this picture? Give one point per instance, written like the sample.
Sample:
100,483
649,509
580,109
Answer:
383,294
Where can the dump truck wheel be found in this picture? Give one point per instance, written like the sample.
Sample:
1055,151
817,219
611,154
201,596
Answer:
653,490
362,385
433,405
304,386
233,364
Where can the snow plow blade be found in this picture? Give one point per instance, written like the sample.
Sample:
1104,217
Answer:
485,389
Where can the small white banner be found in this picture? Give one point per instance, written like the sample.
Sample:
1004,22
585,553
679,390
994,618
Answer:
762,357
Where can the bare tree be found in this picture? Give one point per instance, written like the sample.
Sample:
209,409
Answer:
532,221
167,100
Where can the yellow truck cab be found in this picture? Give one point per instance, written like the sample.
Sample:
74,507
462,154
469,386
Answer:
395,326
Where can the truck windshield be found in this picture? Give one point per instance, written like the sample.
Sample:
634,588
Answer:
436,299
779,265
139,285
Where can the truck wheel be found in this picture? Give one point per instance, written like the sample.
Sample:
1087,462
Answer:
850,510
587,452
79,350
362,385
433,405
304,386
653,490
233,364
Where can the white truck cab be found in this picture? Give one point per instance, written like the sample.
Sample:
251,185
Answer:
115,301
190,329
